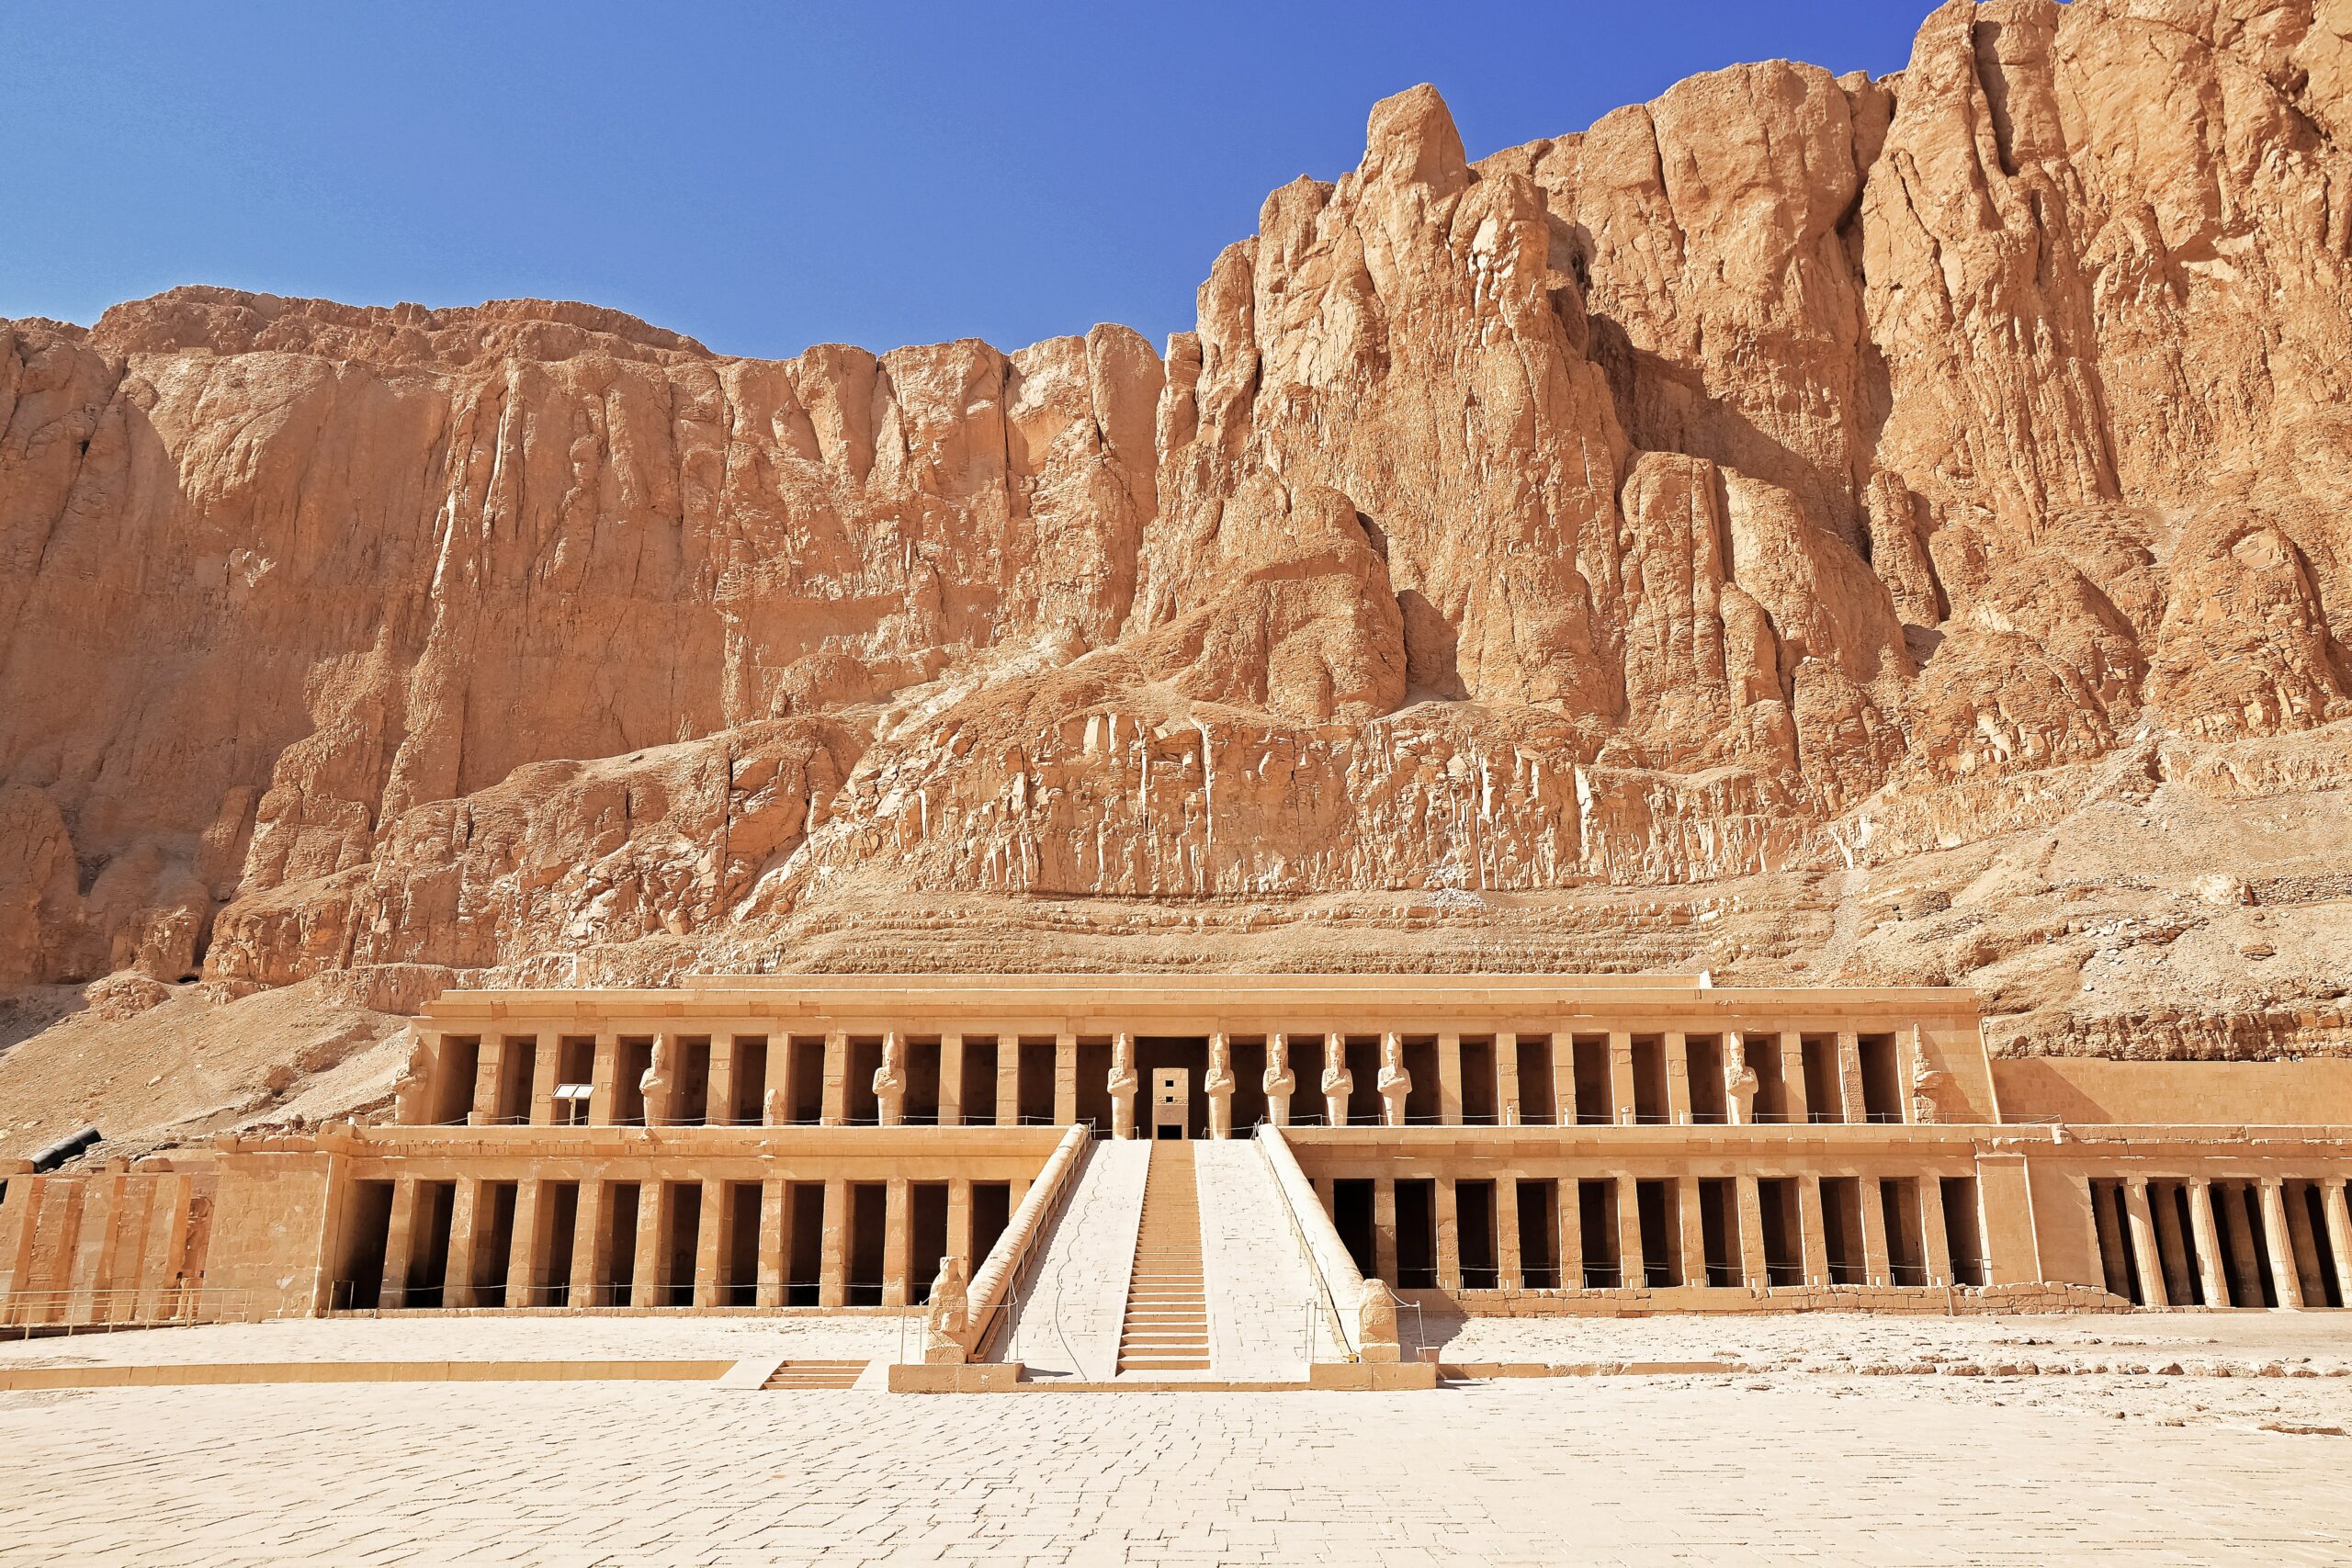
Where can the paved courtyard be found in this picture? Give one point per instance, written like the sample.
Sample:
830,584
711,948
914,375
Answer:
1783,1468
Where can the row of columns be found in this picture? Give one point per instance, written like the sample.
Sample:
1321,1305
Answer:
1690,1243
1335,1088
593,1272
2156,1235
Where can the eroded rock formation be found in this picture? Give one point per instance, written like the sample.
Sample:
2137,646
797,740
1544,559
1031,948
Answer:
1803,527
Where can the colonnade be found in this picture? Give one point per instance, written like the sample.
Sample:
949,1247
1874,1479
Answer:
2246,1241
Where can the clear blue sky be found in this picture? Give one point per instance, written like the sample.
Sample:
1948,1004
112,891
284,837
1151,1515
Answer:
766,176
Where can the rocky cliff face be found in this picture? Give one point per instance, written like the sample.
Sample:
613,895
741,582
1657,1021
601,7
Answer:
1809,528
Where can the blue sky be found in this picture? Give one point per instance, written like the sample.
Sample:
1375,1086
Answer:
766,176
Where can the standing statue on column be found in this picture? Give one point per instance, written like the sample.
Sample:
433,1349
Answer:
1395,1082
1279,1082
1930,1086
1218,1086
890,1080
778,1106
654,1084
1739,1079
413,1090
1122,1086
1337,1082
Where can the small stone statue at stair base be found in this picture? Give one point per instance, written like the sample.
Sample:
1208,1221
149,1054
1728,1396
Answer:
1739,1079
659,1076
1122,1086
891,1081
1377,1322
949,1321
1395,1082
411,1106
1218,1086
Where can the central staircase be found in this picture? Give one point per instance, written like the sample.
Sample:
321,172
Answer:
1166,1324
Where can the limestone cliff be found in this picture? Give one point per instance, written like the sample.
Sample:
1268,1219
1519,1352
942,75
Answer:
1805,527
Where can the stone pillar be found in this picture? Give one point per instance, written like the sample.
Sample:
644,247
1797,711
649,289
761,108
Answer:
834,1109
400,1242
1280,1083
1008,1080
2281,1244
1809,1226
2214,1278
1753,1271
897,1240
1449,1079
1877,1268
1395,1083
2172,1252
465,1212
1564,1079
1123,1084
711,1230
1511,1267
2332,1198
959,1223
950,1087
1218,1086
2145,1257
604,1080
526,1252
1851,1102
1449,1234
1568,1226
1691,1223
1793,1076
1677,1077
2241,1251
1935,1240
489,1071
2307,1264
592,1258
1510,1106
1621,1077
891,1081
649,1281
1633,1268
1384,1228
833,1268
545,1061
773,1198
719,1083
1337,1082
1065,1079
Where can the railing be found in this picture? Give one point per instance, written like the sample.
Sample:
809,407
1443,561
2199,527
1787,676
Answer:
25,1314
1277,1154
1003,1276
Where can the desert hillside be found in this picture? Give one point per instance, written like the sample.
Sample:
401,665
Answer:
1804,528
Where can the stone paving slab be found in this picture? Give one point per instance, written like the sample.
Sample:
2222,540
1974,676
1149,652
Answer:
1792,1469
482,1338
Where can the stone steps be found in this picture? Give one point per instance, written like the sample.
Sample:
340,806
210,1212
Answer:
815,1374
1167,1323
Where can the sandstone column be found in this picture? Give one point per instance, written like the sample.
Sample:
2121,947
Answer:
1935,1240
833,1276
1753,1269
959,1223
772,1257
1853,1105
711,1231
649,1281
605,1081
1008,1081
457,1270
526,1250
2281,1244
1621,1077
2307,1259
1792,1090
489,1071
400,1242
897,1241
891,1081
1338,1084
2215,1279
1877,1269
1692,1227
2236,1195
1449,1079
1810,1223
1678,1080
546,1061
592,1258
719,1083
1218,1086
2145,1257
1383,1228
1632,1265
1395,1082
1564,1079
1065,1079
2172,1251
1511,1269
1509,1106
1449,1234
1279,1082
834,1109
1570,1227
951,1086
2339,1233
1123,1083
